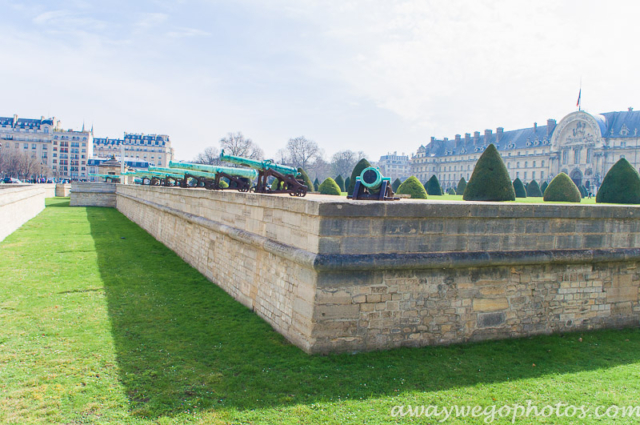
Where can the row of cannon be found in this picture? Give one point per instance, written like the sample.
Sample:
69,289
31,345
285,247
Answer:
370,185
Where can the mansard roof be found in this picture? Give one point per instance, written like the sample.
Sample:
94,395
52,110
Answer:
25,122
612,124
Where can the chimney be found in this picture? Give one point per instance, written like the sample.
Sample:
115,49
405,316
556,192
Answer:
467,138
433,139
476,137
499,132
457,141
15,119
535,127
487,137
446,139
551,125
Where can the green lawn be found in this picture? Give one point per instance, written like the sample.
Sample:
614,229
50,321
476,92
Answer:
100,323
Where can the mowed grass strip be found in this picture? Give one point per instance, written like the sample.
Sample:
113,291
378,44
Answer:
100,323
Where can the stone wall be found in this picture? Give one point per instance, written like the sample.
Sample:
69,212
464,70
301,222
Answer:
19,204
63,190
93,194
337,275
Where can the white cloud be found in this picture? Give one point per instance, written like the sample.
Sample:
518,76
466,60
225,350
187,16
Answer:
187,32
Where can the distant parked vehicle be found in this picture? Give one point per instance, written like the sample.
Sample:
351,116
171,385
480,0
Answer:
11,180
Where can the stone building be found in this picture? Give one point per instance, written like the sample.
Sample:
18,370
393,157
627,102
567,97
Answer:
95,166
583,145
395,166
153,148
64,152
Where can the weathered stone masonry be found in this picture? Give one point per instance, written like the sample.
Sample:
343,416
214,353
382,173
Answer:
19,204
336,275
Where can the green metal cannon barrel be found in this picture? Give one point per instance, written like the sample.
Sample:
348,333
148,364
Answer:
259,165
371,178
111,176
175,175
213,169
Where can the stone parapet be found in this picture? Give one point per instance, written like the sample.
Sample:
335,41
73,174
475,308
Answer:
93,194
63,190
337,275
19,204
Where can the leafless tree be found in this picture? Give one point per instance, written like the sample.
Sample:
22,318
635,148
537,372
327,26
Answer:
283,157
302,151
237,145
20,164
319,169
342,162
210,156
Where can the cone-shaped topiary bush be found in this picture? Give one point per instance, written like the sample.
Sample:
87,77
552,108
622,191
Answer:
316,184
621,185
462,185
347,182
361,165
329,187
413,187
433,186
276,184
451,191
562,189
340,182
490,180
396,184
583,191
544,187
519,189
307,180
533,190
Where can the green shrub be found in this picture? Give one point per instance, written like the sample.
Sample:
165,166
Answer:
451,191
413,187
519,189
621,185
490,180
357,170
347,182
340,182
396,184
329,187
583,191
562,189
462,185
223,184
316,184
433,186
276,184
533,189
307,180
544,187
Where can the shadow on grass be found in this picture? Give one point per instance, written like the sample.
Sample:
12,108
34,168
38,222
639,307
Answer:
182,342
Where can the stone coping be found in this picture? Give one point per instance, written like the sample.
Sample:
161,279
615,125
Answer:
400,261
329,206
21,193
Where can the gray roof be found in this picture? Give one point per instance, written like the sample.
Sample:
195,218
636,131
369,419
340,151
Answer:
623,124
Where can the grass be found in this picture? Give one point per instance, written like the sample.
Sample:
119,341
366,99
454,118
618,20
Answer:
102,324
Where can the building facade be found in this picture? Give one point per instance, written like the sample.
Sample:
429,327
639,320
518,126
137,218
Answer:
152,148
64,153
395,166
94,165
583,145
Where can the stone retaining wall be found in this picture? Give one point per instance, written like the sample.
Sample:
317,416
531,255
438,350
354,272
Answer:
93,194
19,204
336,275
63,190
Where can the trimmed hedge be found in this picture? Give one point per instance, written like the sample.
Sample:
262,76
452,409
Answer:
533,189
519,189
621,185
357,170
544,187
329,187
316,184
490,180
413,187
347,182
583,191
396,184
562,189
340,182
307,180
451,191
462,185
433,186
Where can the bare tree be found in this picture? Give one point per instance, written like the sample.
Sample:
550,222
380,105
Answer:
237,145
302,151
342,162
283,157
210,156
319,169
20,164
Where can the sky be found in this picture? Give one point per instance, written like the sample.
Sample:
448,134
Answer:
368,75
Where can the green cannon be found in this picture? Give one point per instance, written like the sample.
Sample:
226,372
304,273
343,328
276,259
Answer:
210,176
287,177
372,186
113,178
161,177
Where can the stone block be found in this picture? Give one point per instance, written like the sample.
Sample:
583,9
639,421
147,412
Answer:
490,304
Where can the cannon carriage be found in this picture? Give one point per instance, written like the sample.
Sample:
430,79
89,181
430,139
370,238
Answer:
372,186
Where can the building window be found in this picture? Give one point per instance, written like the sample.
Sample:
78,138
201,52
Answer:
589,153
526,165
534,164
565,157
533,175
517,164
525,176
541,175
576,156
542,163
